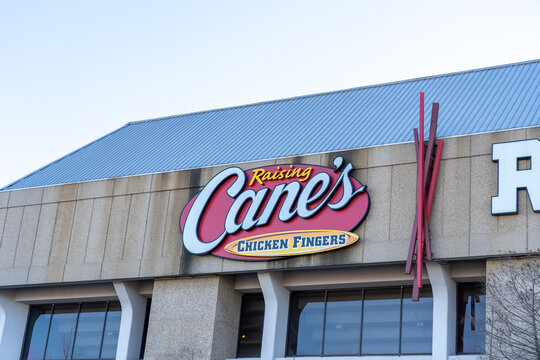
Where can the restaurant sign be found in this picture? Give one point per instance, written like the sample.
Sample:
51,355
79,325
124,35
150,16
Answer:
275,211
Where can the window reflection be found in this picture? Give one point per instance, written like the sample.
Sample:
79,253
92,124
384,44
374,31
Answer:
72,331
38,323
89,329
110,335
471,319
382,321
306,329
62,332
417,322
343,321
380,333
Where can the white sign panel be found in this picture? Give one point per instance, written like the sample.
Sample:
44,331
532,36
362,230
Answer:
511,178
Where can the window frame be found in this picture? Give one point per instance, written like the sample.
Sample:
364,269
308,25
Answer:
401,288
459,293
240,319
28,337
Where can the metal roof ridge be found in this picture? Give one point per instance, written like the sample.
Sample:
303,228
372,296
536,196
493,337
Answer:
365,87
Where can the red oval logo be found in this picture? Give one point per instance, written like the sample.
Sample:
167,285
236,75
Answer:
294,198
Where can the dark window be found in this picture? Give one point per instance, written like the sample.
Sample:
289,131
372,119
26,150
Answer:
471,319
251,325
145,331
72,331
360,322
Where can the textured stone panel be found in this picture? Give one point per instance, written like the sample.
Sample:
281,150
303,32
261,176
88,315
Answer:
3,214
116,233
25,197
483,187
164,266
97,234
533,229
193,317
482,144
44,235
172,244
132,185
456,147
10,236
403,206
391,155
13,276
60,193
137,222
457,185
27,236
437,218
240,266
358,158
171,180
156,224
79,232
197,264
227,320
498,243
95,189
120,269
62,232
167,262
82,272
516,222
4,197
533,133
291,263
52,273
377,224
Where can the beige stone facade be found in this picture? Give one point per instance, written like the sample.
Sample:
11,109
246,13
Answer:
127,228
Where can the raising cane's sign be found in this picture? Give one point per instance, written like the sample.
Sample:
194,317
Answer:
275,211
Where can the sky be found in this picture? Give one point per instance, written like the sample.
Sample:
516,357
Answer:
73,71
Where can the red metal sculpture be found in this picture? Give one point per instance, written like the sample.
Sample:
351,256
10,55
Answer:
428,169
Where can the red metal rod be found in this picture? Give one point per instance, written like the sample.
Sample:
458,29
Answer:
412,245
420,205
431,194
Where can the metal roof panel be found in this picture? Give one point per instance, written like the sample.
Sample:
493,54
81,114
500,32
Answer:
483,100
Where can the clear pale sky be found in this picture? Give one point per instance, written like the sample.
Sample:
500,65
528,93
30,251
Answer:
73,71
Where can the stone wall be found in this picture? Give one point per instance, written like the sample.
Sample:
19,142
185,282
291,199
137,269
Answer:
193,319
128,227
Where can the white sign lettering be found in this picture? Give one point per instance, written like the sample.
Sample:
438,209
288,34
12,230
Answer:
511,179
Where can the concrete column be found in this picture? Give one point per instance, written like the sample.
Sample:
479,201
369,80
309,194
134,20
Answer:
194,319
13,317
444,310
276,313
132,320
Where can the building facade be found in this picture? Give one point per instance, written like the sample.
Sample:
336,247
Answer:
93,263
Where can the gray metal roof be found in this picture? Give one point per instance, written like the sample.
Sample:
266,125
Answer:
475,101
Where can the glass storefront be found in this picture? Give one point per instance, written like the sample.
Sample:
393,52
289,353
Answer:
73,331
360,322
